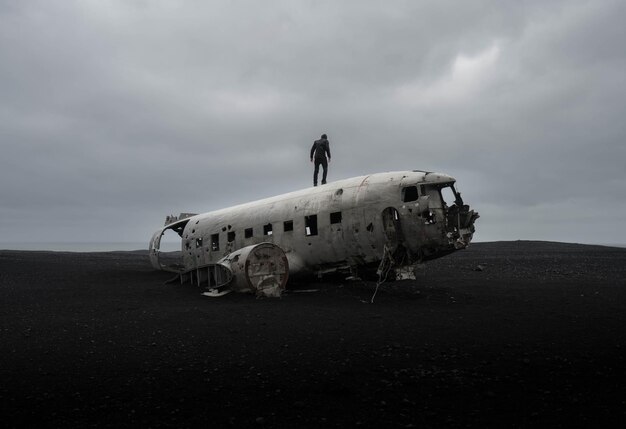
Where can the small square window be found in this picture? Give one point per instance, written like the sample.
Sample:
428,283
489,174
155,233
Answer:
248,232
335,217
215,242
230,236
409,194
267,229
198,243
288,225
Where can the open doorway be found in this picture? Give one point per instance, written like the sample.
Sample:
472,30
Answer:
391,227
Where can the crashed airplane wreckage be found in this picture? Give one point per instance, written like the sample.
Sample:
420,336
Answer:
380,222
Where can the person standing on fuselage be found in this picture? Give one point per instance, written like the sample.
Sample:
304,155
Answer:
320,149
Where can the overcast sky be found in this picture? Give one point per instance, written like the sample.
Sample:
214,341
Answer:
114,114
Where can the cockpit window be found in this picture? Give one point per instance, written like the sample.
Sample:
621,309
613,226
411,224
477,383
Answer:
442,195
409,193
449,195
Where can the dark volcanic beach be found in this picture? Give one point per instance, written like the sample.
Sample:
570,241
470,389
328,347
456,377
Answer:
505,334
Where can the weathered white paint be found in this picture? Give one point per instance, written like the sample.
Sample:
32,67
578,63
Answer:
368,205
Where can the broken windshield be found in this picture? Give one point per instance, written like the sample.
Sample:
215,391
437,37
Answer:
448,194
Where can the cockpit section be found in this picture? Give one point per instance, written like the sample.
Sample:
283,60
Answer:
458,218
436,217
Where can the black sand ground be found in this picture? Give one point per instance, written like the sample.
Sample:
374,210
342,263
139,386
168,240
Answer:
537,338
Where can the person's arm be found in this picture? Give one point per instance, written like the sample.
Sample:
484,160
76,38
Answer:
328,149
312,151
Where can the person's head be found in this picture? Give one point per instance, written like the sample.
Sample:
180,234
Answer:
324,136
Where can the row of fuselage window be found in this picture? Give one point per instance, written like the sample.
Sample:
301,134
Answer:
310,229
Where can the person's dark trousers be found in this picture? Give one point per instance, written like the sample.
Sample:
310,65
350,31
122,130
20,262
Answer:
324,164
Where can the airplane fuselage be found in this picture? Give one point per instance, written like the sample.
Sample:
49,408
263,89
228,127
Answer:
347,223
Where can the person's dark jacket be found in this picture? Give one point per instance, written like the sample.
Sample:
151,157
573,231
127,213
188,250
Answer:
320,148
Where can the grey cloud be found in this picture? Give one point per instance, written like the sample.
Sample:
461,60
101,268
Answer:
114,114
